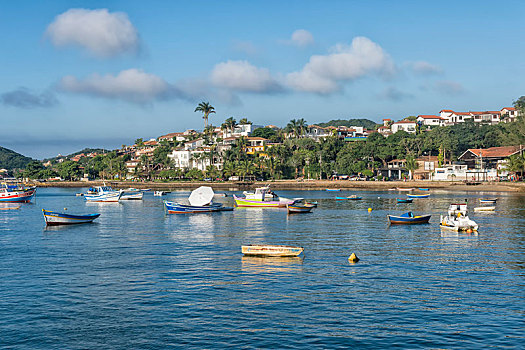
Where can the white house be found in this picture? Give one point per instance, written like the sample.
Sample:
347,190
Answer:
508,114
430,120
193,144
405,125
451,117
316,132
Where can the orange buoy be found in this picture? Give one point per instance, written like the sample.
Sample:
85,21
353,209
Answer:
353,258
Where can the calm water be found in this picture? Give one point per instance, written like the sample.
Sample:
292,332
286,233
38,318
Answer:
137,278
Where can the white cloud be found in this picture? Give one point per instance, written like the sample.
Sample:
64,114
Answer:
131,85
102,33
302,37
324,74
242,76
425,68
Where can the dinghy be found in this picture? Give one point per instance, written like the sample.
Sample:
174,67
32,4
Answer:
271,250
53,218
408,219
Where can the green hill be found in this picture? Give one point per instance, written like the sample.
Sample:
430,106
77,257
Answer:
11,160
366,123
85,151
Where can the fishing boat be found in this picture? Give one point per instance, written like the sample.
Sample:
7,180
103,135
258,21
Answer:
408,219
423,189
405,189
200,201
16,193
259,199
271,250
418,195
457,219
488,200
102,194
333,190
401,200
160,193
132,194
296,208
53,218
485,208
349,198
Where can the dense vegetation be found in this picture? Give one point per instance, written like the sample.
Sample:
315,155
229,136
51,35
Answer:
365,123
11,160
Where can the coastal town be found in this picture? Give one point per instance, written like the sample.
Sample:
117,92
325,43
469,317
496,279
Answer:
414,148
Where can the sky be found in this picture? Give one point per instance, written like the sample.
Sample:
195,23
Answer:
79,74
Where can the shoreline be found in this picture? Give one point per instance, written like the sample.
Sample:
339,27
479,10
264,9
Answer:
297,185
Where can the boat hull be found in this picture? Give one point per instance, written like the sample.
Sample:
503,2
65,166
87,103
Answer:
404,200
418,195
177,208
18,196
53,218
106,197
271,250
400,220
295,209
132,196
491,201
484,208
348,198
333,190
243,202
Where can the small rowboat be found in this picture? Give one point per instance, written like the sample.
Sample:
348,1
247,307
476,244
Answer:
312,204
488,200
177,208
296,209
423,189
333,190
53,218
271,250
160,193
349,198
408,219
418,195
405,189
485,208
401,200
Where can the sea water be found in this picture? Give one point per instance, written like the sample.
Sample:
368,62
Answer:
137,278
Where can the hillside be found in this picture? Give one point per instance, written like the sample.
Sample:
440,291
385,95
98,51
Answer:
366,123
11,160
85,151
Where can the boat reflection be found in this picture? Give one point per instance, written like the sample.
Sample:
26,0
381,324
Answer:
457,235
271,264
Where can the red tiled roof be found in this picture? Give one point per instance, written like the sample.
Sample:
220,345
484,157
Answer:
404,122
171,135
446,110
429,116
495,152
509,108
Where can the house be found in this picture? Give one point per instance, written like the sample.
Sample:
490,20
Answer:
451,117
405,125
426,167
490,161
384,130
395,169
255,144
177,136
430,120
509,114
240,130
194,144
316,132
387,122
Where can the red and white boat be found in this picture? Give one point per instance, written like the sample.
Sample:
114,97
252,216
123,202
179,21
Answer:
16,193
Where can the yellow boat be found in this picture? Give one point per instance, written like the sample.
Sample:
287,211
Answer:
271,250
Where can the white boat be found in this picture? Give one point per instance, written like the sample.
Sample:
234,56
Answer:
102,194
132,194
457,219
485,208
259,192
488,200
160,193
261,199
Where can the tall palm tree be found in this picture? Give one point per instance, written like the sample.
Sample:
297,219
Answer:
206,108
411,165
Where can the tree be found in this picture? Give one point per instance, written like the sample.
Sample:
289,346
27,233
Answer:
411,165
297,127
266,133
69,170
206,110
33,169
245,121
229,124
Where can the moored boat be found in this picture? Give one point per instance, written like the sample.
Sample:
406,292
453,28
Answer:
102,194
271,250
313,204
457,219
408,219
53,218
488,200
259,199
349,198
423,189
16,193
401,200
200,201
296,209
418,195
487,208
333,190
132,194
160,193
405,189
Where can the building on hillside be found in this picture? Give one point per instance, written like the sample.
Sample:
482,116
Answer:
405,125
387,122
255,144
240,130
174,136
430,120
426,167
194,144
490,158
198,158
384,130
452,118
317,132
509,114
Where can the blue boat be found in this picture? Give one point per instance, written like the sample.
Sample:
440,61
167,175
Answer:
333,190
423,189
418,195
408,219
178,208
53,218
401,200
349,198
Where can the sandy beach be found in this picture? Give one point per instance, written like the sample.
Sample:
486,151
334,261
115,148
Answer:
300,185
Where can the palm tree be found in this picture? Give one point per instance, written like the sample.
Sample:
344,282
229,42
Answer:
244,121
206,109
229,169
229,124
297,127
411,165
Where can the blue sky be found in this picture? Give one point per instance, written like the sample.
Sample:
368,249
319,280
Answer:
81,74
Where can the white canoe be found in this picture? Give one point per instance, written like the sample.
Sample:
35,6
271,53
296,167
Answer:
484,208
271,250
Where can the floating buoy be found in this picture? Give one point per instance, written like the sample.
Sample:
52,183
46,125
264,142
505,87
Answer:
469,230
369,210
353,258
65,208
